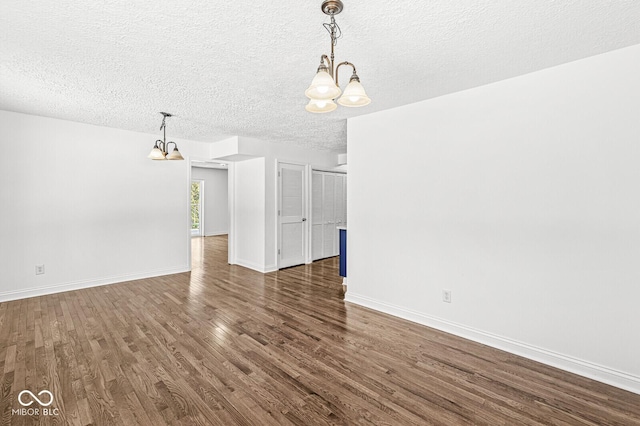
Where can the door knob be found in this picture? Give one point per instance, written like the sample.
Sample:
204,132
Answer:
304,219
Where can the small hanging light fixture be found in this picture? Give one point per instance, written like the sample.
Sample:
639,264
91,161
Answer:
161,147
324,88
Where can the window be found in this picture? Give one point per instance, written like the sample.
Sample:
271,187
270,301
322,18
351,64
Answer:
196,208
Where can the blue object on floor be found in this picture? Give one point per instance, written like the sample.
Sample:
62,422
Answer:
343,252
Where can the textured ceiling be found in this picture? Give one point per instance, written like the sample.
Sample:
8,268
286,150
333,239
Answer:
241,67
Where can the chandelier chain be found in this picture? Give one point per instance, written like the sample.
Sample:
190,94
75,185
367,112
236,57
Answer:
334,30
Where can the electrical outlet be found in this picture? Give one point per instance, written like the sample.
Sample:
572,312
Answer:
39,269
446,296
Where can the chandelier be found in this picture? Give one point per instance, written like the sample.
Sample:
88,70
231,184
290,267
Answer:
161,148
324,87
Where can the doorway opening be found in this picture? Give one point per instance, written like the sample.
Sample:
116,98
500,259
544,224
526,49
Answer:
208,205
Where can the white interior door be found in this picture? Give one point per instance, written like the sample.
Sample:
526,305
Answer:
291,213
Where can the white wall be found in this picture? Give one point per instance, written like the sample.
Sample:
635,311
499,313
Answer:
248,189
86,202
521,197
216,206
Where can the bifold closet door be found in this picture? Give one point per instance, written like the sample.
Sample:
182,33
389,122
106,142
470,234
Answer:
340,210
328,211
328,215
316,215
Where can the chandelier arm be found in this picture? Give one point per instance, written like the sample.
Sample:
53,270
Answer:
171,142
338,67
324,59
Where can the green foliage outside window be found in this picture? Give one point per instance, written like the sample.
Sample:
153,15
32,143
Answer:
195,205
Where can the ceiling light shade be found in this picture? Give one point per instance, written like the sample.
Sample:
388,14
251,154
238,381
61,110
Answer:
175,154
321,105
322,86
159,151
354,95
156,153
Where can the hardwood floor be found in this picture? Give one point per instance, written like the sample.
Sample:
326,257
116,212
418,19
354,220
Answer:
224,345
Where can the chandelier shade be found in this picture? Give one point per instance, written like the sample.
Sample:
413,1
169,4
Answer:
354,95
322,87
156,153
175,154
321,105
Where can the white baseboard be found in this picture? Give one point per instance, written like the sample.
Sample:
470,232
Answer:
216,233
252,265
573,365
79,285
256,267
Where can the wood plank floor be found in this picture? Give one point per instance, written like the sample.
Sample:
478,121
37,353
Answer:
224,345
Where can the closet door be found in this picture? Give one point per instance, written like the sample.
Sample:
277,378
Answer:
328,215
340,210
317,223
328,211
